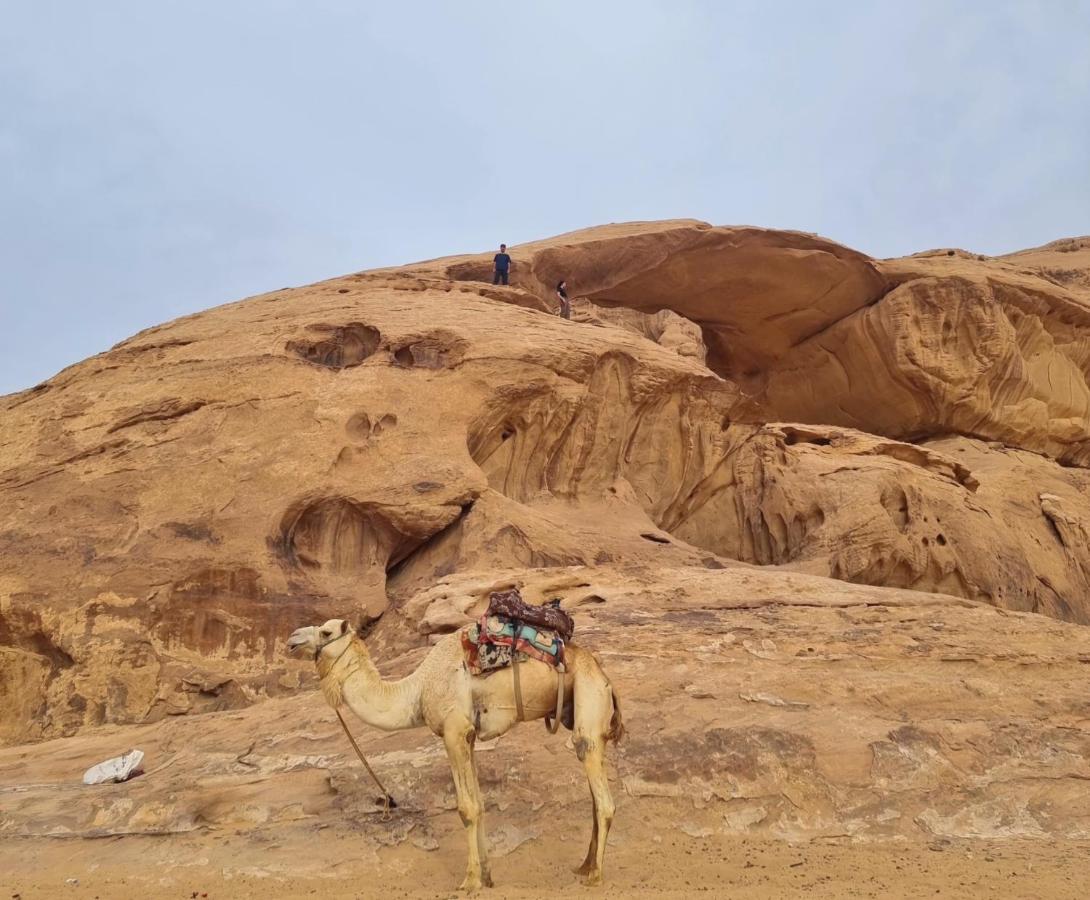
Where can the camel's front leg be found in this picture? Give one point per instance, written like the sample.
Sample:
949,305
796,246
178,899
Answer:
482,843
458,737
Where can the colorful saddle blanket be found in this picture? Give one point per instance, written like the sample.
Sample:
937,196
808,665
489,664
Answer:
489,643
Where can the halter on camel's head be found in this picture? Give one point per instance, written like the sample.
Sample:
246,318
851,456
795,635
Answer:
315,638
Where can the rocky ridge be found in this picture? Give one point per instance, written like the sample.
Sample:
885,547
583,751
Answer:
833,509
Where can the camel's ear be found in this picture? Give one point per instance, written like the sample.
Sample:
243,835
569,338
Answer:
364,625
344,626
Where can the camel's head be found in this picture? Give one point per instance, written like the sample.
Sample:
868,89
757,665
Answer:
319,639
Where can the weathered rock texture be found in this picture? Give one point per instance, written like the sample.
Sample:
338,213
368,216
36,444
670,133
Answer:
172,508
757,702
938,343
982,353
754,292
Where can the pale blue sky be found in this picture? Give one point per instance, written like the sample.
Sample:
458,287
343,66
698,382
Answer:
161,157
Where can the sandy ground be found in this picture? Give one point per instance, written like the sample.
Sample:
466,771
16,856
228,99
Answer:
255,866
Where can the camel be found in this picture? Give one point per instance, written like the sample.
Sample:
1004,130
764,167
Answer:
461,708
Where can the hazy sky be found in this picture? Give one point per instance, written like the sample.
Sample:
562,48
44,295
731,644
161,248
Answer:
161,157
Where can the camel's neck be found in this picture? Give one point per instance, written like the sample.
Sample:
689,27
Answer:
352,679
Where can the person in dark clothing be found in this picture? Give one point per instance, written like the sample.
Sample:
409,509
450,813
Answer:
501,266
565,303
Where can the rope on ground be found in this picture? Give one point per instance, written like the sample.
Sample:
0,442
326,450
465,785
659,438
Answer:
388,802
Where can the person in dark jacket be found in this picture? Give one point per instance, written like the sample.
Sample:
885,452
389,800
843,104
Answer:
565,303
501,263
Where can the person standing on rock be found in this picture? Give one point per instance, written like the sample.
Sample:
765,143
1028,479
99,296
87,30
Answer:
501,266
565,303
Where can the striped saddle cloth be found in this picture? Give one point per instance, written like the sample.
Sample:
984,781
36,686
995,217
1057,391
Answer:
489,643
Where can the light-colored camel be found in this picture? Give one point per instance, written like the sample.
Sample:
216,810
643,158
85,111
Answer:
460,708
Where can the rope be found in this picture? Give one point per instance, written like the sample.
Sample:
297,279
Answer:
388,802
553,722
520,713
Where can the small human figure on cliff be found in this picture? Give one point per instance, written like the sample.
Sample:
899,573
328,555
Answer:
565,303
501,266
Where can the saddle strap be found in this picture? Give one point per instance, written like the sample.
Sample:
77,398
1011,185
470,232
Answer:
553,722
520,713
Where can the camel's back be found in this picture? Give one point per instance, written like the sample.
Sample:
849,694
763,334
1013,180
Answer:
488,700
579,659
448,657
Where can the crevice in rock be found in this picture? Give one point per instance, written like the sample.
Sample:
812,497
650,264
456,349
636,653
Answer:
395,568
1052,527
162,411
362,427
435,350
793,435
816,333
133,349
345,550
338,535
336,346
27,633
895,502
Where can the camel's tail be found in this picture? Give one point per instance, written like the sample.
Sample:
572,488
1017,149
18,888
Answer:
616,724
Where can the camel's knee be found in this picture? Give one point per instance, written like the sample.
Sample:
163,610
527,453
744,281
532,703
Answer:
587,746
458,732
469,815
581,746
469,810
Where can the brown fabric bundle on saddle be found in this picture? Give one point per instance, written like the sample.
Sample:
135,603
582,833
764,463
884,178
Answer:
510,605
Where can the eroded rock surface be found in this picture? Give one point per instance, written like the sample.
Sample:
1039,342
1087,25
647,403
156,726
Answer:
757,702
953,515
754,291
981,355
172,508
938,343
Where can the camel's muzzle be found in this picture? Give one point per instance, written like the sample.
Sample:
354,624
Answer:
296,641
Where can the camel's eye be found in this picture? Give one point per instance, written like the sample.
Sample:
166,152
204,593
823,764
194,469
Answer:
325,632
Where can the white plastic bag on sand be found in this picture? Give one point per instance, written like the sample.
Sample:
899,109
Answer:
120,768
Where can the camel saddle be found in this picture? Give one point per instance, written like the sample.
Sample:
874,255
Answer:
537,632
510,605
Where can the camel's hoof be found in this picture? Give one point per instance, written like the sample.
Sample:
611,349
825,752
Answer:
471,884
583,869
594,879
486,879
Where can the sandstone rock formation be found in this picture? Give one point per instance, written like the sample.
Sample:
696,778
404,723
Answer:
753,291
760,704
1065,262
977,351
944,342
727,397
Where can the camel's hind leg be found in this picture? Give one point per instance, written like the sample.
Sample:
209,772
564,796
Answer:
592,851
459,737
593,717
